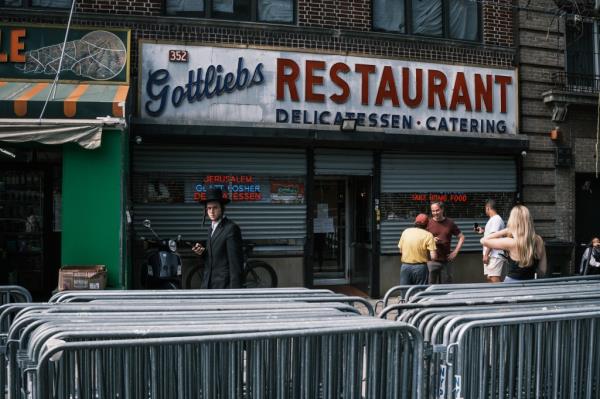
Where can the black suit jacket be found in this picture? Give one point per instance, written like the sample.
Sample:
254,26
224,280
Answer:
224,257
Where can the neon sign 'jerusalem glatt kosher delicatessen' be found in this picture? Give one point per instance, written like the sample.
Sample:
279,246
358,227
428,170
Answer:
300,90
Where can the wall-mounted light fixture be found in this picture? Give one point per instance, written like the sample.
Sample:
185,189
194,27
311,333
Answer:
348,125
555,134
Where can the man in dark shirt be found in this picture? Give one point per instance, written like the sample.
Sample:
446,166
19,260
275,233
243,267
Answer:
443,229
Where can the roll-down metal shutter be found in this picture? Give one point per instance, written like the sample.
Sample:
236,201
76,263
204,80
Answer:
447,173
258,220
424,173
343,162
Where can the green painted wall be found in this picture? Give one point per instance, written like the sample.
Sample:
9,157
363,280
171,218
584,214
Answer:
92,206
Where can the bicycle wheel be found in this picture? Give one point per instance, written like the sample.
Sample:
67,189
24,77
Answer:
259,274
194,276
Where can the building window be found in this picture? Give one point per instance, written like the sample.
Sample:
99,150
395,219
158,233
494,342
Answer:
454,19
581,58
275,11
62,4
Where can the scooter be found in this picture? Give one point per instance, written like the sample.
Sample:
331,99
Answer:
162,269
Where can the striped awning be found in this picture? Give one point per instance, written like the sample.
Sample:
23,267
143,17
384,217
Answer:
84,100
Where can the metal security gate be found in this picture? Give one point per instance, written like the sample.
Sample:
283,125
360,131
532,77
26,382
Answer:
336,162
410,181
267,190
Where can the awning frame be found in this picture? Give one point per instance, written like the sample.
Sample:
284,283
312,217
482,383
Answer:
85,132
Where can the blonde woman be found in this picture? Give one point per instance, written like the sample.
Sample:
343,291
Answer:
524,249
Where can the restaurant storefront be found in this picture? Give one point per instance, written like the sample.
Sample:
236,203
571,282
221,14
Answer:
326,157
64,161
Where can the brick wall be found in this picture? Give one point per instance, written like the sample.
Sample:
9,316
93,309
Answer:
354,15
497,18
337,14
585,155
252,34
540,55
123,7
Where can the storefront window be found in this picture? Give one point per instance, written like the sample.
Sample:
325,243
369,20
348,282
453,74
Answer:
267,208
21,227
459,205
276,11
456,19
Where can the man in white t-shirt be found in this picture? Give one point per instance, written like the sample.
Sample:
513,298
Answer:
493,259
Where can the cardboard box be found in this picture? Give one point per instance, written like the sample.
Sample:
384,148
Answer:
92,277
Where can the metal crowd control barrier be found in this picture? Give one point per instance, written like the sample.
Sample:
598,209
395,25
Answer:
13,293
233,344
531,340
404,293
10,294
272,295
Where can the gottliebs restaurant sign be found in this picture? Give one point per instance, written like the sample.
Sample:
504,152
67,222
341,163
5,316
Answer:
221,86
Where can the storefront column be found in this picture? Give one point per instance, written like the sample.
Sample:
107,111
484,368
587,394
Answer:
92,206
308,197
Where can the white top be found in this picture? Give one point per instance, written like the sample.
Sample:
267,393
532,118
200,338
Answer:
493,225
214,226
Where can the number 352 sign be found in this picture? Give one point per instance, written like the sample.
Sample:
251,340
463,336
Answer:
178,56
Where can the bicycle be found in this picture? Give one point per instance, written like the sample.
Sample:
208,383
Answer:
255,273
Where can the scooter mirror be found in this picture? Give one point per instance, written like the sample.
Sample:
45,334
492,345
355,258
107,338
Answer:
147,223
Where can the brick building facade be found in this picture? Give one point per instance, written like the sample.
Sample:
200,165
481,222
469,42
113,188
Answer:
556,95
511,36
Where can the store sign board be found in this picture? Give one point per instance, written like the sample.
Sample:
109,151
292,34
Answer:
225,86
31,52
238,187
440,197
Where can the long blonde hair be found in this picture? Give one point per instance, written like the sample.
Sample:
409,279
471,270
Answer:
520,225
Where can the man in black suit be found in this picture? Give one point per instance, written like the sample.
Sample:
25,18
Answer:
223,256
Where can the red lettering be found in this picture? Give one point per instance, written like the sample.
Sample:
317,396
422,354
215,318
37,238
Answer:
365,70
503,81
436,85
416,101
312,80
387,88
17,45
460,92
483,93
246,197
339,82
284,79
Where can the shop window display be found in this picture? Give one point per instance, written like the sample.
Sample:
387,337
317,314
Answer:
267,208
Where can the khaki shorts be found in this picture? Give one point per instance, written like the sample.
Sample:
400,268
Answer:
494,267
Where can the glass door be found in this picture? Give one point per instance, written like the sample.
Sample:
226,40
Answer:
329,211
21,228
361,229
